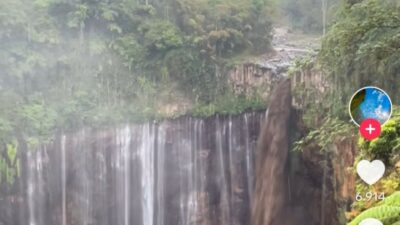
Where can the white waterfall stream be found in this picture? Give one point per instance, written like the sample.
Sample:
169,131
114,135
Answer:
179,172
63,181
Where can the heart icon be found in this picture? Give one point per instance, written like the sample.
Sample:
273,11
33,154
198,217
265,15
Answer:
370,172
370,221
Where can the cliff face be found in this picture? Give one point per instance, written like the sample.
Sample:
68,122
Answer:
176,172
308,172
291,188
184,171
344,154
262,75
251,78
191,170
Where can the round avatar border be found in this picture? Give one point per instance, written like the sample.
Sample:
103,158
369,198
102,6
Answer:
366,87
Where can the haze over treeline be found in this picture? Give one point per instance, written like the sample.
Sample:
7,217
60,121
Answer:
75,63
70,64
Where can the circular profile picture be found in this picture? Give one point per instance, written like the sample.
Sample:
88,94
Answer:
370,103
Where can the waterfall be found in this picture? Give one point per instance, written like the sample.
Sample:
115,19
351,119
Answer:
270,205
146,154
186,171
63,181
249,160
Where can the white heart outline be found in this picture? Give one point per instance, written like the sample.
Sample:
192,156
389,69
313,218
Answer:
370,172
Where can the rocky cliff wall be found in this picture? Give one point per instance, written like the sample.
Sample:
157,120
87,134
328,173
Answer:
290,186
339,183
262,75
176,172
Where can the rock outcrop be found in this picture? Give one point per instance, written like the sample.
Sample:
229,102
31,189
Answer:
183,171
290,186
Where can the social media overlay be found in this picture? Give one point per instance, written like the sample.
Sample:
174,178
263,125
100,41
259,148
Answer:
370,221
370,172
370,103
370,108
370,129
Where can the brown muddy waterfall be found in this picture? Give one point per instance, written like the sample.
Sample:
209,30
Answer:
288,185
271,189
186,171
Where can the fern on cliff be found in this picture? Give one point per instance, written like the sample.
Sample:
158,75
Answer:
387,211
392,200
387,214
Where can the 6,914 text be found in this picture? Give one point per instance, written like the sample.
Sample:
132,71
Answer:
368,196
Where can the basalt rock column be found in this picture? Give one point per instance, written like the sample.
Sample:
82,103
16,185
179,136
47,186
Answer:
268,206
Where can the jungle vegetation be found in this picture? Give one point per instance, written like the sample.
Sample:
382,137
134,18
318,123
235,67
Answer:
361,48
67,64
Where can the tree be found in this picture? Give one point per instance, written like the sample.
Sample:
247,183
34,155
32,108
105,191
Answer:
362,48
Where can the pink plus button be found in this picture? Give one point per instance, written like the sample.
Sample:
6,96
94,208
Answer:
370,129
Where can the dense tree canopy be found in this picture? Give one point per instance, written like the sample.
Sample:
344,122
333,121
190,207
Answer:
67,64
362,48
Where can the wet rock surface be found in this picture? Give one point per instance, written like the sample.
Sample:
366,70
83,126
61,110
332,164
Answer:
189,170
290,187
261,74
183,171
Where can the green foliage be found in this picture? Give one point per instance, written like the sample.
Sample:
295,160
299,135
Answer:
301,64
331,130
226,28
362,48
387,146
228,104
129,49
383,148
161,36
387,211
392,200
9,165
389,184
195,74
388,215
38,118
5,128
70,64
306,15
